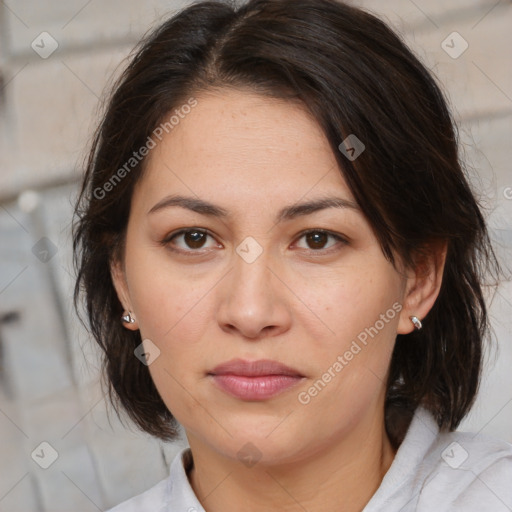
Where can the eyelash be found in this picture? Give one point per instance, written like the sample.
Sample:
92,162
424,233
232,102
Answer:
167,240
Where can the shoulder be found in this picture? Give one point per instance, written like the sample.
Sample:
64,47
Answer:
154,500
446,472
173,493
467,472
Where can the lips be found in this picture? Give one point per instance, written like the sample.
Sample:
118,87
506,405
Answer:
254,380
254,368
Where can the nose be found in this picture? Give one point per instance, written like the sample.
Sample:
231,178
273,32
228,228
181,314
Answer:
253,300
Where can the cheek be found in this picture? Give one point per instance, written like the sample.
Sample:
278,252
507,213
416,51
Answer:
360,304
350,301
350,367
175,312
171,302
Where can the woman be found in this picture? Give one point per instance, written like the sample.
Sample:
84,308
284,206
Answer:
280,251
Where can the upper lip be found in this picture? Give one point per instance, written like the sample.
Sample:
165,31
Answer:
253,368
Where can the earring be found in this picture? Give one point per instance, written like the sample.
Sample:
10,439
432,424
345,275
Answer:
127,318
417,322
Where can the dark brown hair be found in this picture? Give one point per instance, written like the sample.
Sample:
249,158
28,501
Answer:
355,76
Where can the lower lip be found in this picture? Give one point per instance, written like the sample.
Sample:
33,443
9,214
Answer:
255,388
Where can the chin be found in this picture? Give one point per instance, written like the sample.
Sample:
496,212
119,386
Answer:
260,442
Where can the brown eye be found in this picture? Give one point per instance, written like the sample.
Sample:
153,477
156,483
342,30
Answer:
318,239
189,240
194,239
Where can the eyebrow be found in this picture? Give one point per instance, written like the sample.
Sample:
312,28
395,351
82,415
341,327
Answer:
287,213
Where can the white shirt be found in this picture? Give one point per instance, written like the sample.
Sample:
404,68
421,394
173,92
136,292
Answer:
431,472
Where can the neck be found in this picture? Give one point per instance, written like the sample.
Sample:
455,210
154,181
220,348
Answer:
344,472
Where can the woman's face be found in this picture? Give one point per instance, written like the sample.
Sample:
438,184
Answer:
250,285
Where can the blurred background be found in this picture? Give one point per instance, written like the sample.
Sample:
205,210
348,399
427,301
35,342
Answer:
61,449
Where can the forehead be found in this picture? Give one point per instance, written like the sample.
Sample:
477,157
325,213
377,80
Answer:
235,142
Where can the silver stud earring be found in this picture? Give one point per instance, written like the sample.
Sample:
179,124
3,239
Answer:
127,318
417,322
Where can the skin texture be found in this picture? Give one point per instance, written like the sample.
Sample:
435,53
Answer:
300,304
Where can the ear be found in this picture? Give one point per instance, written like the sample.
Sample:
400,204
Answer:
119,279
423,285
